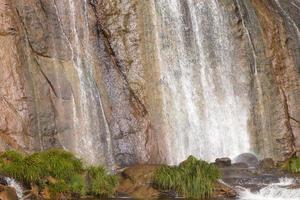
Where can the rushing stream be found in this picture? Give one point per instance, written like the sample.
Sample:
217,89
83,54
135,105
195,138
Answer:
276,191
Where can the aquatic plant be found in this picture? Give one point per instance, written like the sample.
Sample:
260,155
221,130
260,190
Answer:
193,178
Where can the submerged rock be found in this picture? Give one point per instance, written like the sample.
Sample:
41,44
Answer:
248,158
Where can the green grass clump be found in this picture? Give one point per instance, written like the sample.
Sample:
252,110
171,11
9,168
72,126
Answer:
59,163
101,183
78,185
33,168
58,187
293,165
193,178
58,171
11,163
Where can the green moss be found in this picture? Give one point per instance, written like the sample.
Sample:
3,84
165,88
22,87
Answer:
193,178
293,165
101,183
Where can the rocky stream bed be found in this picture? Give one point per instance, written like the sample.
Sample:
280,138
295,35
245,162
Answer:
244,178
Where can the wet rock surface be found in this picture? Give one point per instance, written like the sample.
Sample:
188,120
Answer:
85,75
255,178
8,193
223,162
247,158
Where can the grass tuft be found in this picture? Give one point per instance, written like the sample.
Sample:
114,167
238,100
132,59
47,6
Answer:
100,182
60,164
78,185
293,165
193,178
59,171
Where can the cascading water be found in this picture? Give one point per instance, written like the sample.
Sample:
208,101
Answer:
275,191
204,95
89,119
18,187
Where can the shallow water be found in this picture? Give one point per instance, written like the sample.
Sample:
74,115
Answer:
274,191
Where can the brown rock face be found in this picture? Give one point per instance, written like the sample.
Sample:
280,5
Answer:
273,33
8,193
91,76
62,86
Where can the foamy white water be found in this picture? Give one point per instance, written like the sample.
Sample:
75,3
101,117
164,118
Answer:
276,191
206,111
18,187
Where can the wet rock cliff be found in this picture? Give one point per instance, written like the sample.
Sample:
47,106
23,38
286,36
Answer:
129,81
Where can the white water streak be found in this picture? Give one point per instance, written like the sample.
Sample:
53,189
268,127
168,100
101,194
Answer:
203,111
275,191
289,18
18,187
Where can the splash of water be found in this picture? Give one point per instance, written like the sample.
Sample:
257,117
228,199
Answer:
275,191
18,187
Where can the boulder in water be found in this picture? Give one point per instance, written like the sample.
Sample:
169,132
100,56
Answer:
8,193
248,158
222,190
267,164
223,162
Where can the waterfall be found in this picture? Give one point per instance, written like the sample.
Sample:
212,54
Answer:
18,187
92,137
205,101
294,24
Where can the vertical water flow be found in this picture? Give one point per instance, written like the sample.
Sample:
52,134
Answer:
285,13
254,55
206,113
90,123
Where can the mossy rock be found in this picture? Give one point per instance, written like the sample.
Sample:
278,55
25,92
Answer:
136,181
141,173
